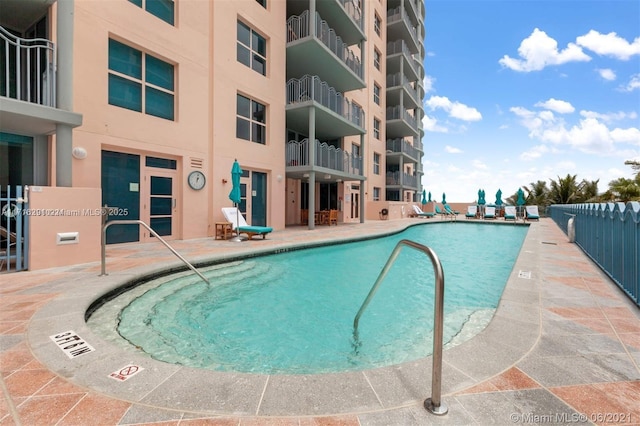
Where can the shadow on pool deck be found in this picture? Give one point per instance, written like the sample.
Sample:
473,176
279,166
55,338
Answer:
563,346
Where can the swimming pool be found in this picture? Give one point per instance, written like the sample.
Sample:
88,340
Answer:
293,312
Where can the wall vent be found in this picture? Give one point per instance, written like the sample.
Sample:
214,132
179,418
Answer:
196,163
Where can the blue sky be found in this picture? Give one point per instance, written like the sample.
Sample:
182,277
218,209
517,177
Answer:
521,91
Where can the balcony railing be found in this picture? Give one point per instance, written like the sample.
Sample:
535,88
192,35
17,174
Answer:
310,87
298,27
399,79
402,145
403,179
399,14
354,11
400,46
29,72
327,156
399,113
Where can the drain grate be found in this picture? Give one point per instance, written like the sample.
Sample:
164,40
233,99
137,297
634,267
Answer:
524,274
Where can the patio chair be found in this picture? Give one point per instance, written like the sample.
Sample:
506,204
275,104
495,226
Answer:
442,212
532,213
449,210
490,212
417,212
472,211
333,217
240,225
510,213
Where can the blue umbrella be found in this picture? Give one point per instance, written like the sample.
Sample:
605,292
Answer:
424,196
444,198
481,200
499,198
235,196
520,201
429,196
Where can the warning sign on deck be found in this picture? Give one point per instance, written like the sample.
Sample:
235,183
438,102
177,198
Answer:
126,372
71,344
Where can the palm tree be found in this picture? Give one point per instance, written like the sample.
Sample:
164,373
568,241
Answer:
537,193
589,193
625,190
565,190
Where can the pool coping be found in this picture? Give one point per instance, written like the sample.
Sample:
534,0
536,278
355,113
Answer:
513,331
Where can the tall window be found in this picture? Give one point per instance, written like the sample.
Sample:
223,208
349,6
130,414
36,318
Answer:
376,163
252,49
355,155
376,93
251,120
163,9
376,128
376,58
376,194
377,24
140,82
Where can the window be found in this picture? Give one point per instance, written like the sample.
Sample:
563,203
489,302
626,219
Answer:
262,3
355,157
377,24
163,9
376,93
252,49
140,82
376,58
250,120
376,194
376,128
376,163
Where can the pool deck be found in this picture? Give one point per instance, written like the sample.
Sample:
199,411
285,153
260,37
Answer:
562,348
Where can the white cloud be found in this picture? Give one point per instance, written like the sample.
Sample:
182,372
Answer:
479,165
561,107
430,124
539,51
633,84
427,83
611,116
455,109
452,150
535,152
609,45
630,135
606,73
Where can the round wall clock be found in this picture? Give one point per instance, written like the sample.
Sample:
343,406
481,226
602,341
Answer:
196,180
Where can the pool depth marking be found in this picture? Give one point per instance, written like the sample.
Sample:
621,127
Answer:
71,344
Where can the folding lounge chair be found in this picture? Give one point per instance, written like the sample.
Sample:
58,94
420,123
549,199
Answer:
472,211
532,213
510,213
242,227
442,212
417,211
449,210
490,212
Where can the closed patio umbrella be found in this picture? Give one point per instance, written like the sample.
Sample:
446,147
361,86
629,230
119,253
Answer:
444,198
429,196
424,196
499,201
235,195
520,202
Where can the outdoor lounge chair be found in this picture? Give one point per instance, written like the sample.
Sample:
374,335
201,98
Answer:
239,225
532,213
417,212
442,212
510,213
490,212
449,210
472,211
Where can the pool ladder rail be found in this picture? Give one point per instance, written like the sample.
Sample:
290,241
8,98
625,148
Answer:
434,404
103,270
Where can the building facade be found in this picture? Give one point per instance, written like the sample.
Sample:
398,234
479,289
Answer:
143,106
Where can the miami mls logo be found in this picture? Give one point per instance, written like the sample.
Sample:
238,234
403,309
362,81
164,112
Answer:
10,210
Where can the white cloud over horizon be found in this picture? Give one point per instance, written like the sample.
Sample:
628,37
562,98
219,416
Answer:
455,109
609,45
452,150
561,107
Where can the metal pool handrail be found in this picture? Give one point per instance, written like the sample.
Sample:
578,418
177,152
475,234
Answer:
433,404
154,233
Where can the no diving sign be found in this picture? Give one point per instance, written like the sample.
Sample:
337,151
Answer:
126,372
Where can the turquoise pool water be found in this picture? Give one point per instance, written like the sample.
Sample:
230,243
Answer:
292,313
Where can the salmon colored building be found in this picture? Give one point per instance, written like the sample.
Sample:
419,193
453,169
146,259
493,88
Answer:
143,106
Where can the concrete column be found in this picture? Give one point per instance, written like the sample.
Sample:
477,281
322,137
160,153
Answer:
312,18
64,133
312,162
362,195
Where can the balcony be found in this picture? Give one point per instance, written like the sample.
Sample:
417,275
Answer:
400,59
401,92
401,179
400,123
400,27
411,7
344,16
324,54
28,87
332,163
335,115
401,147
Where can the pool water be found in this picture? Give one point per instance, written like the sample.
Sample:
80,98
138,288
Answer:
292,313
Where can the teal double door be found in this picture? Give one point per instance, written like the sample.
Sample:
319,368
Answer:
143,188
253,191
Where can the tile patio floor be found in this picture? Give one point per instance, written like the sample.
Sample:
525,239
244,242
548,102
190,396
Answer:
563,348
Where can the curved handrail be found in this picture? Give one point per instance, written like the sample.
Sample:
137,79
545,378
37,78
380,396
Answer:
433,404
154,233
